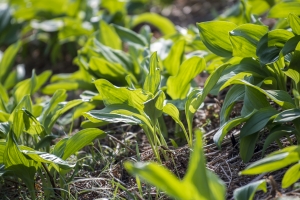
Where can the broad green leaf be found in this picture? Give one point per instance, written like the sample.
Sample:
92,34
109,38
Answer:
274,161
2,149
152,80
171,110
26,174
294,22
164,25
220,134
276,134
284,8
159,177
179,85
7,60
67,106
250,101
13,156
293,69
248,191
260,7
11,80
234,94
32,125
45,142
121,95
58,96
216,185
107,115
290,45
4,128
47,158
25,87
291,176
269,46
89,124
104,69
215,36
247,146
282,98
41,79
108,36
196,176
17,116
67,85
128,35
175,58
244,39
80,140
154,107
288,115
3,93
258,121
196,97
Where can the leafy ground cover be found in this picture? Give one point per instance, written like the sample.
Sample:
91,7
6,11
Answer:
151,111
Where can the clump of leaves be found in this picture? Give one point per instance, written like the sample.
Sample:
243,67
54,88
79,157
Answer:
198,183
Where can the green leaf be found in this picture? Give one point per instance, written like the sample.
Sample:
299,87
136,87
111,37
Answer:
282,98
274,161
58,113
248,191
215,36
244,39
171,110
293,70
258,121
106,115
154,107
160,177
247,146
128,35
121,95
179,85
164,25
32,125
291,176
196,173
80,140
17,116
175,57
8,59
41,79
196,97
276,134
25,87
3,93
47,158
284,8
234,94
111,71
220,134
58,96
294,22
152,80
269,46
250,101
108,36
287,115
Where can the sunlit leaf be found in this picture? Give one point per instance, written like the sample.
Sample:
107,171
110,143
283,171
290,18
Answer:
215,36
178,86
244,39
